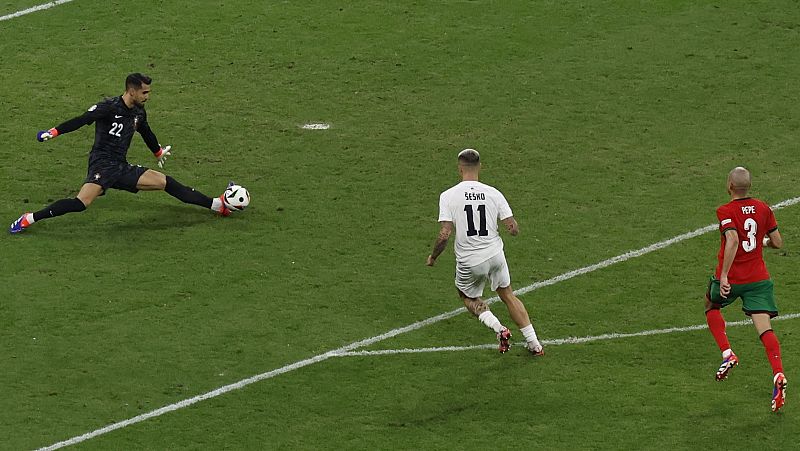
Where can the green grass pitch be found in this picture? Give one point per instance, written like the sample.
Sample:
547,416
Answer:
608,125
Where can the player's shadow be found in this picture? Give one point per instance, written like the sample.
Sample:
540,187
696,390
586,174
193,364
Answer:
168,217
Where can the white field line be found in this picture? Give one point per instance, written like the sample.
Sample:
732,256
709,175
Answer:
554,342
316,126
636,253
392,333
33,9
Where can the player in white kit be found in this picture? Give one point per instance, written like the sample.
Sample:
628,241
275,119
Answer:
472,210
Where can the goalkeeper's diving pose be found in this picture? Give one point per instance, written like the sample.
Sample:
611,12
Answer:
115,121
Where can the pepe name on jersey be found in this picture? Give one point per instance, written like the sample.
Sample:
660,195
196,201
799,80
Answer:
751,219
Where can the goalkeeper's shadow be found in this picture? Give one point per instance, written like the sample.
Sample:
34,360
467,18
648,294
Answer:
172,217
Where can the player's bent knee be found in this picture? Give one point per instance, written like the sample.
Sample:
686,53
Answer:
710,305
506,294
89,193
152,181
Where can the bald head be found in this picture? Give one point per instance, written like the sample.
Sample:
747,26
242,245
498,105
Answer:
739,181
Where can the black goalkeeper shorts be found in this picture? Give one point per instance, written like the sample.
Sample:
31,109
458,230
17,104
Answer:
115,174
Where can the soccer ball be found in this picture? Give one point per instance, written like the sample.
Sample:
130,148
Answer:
237,197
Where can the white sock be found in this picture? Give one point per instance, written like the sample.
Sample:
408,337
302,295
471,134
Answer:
490,321
216,204
29,217
530,336
726,353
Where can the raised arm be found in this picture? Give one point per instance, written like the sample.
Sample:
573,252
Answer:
94,113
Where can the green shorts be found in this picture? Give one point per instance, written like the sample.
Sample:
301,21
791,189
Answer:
757,297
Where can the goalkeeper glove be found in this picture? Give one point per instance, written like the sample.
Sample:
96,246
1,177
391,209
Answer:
44,135
162,154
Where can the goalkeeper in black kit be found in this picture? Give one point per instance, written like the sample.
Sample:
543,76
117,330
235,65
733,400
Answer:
116,119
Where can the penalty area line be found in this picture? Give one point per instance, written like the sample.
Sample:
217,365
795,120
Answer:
33,9
554,342
392,333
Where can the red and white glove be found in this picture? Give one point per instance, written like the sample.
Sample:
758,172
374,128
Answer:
162,154
45,135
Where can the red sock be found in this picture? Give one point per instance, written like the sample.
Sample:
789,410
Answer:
773,349
716,324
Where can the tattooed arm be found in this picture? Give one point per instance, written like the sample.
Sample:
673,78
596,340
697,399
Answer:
441,242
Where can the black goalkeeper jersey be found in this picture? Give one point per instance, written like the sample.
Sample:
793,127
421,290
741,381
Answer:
115,124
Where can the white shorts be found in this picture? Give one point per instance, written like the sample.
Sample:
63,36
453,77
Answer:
471,280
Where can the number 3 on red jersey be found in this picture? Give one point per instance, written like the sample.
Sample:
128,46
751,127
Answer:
751,227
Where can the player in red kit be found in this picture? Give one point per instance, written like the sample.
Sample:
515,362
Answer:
747,225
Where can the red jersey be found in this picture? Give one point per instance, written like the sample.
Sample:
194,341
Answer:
751,219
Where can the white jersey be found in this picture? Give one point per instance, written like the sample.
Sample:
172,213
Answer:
474,208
